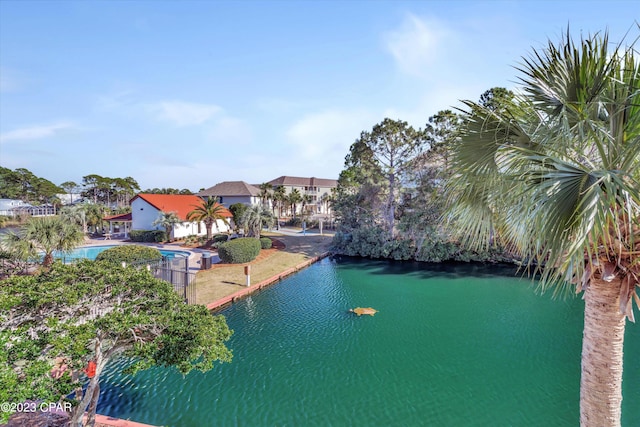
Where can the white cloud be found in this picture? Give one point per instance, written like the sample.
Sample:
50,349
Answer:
37,132
321,141
184,113
230,131
417,44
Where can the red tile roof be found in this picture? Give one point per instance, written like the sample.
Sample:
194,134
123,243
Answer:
120,217
181,204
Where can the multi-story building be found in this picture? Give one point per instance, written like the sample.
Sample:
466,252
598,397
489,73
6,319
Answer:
318,190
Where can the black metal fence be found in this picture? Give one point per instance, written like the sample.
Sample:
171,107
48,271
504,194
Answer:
175,271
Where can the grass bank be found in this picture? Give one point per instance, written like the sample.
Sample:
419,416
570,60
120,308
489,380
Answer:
226,279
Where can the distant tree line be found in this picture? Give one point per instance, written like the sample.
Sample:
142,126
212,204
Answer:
24,185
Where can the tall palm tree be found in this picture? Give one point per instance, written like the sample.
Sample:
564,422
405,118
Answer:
255,218
556,174
266,193
209,211
167,220
307,199
44,235
279,197
294,198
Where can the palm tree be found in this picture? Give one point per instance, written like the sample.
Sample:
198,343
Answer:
279,197
556,174
307,199
294,198
167,220
255,218
266,193
77,214
209,211
44,235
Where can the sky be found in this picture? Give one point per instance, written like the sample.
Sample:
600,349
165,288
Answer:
187,94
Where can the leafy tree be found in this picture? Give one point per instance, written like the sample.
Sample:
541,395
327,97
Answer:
557,173
167,220
91,185
394,144
255,218
442,130
168,191
70,187
23,184
124,189
237,210
496,99
209,212
359,194
42,236
10,187
86,314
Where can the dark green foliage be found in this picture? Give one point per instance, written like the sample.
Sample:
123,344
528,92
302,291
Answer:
219,238
153,236
96,311
129,254
265,243
237,210
374,242
239,251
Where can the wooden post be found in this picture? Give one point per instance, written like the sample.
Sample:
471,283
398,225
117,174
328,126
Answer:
247,272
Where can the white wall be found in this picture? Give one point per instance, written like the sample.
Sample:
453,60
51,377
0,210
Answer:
143,215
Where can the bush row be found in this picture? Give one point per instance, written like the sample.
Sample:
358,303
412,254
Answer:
239,251
148,236
129,254
375,242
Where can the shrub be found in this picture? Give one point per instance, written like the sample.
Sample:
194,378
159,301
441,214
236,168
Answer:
239,251
265,243
129,254
154,236
192,239
219,238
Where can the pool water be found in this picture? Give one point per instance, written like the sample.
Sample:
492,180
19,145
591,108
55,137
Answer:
460,345
91,252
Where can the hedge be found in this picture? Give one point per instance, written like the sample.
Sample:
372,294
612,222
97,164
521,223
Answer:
239,251
129,254
265,243
156,236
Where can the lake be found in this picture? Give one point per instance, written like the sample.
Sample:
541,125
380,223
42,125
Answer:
451,345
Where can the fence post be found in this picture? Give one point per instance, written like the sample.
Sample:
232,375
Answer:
247,272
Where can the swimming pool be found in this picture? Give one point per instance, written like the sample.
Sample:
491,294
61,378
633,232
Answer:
91,252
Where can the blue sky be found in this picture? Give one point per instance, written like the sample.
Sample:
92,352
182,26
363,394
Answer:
187,94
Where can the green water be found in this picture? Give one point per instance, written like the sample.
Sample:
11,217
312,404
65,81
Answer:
451,346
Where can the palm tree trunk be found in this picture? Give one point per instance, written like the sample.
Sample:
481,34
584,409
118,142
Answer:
602,345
